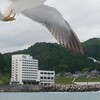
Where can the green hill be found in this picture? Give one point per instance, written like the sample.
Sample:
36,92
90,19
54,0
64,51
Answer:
92,48
52,56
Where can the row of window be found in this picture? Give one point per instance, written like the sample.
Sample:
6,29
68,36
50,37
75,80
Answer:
30,63
47,81
30,60
47,73
26,70
24,63
30,68
29,72
46,77
14,64
44,83
35,65
30,77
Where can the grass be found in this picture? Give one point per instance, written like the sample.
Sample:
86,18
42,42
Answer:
87,79
64,80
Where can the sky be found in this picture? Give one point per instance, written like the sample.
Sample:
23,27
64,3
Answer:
82,15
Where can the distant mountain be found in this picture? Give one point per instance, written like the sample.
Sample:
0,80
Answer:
52,56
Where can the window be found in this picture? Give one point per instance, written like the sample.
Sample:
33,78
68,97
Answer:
45,83
41,77
52,78
41,83
41,73
44,77
48,77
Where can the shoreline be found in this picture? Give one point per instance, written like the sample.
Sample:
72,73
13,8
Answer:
53,88
87,83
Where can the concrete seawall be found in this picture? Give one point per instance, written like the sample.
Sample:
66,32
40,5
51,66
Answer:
53,88
20,88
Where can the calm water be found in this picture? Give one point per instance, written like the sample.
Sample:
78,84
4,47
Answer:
51,96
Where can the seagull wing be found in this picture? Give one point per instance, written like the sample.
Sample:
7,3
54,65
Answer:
92,59
55,23
20,5
97,62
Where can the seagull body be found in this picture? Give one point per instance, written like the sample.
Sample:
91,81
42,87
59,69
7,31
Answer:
48,17
17,6
94,60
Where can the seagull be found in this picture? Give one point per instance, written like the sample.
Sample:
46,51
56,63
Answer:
47,16
94,60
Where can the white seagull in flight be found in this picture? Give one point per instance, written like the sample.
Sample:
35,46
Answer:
45,15
94,60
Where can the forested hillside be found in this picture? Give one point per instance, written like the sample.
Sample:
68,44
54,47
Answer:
52,56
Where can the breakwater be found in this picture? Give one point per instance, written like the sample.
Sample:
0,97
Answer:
71,88
53,88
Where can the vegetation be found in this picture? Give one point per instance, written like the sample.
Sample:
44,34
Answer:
64,80
88,79
4,79
52,56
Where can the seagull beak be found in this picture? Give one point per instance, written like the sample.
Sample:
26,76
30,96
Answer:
9,17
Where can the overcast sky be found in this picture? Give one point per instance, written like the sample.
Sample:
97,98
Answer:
82,15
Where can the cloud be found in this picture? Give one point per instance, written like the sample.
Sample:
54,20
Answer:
82,15
21,34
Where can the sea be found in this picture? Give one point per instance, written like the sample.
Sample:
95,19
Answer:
50,96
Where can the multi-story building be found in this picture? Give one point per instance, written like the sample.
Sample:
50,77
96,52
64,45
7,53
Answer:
24,69
46,77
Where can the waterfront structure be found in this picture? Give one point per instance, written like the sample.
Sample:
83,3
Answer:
24,69
46,77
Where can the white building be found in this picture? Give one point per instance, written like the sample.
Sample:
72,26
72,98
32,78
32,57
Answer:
46,77
24,69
